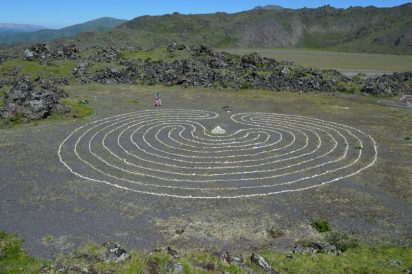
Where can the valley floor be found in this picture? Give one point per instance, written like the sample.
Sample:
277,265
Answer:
345,62
41,200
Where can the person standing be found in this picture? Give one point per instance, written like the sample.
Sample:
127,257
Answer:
159,101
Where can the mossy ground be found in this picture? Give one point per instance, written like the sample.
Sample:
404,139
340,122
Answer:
362,259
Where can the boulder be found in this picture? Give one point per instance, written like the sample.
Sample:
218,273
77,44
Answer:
3,58
263,263
70,51
252,59
228,108
81,68
172,252
28,55
114,253
32,103
316,247
224,257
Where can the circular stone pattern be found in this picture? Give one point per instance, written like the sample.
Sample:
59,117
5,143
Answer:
173,153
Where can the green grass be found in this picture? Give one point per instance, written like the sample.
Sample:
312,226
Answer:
321,225
358,259
2,92
95,87
11,122
13,257
362,259
354,62
342,241
54,69
133,101
78,110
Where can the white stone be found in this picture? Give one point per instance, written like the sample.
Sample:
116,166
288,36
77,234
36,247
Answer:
218,130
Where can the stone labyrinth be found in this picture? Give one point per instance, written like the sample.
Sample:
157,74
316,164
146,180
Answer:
173,153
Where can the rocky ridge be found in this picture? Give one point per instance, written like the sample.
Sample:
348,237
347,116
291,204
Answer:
195,66
205,67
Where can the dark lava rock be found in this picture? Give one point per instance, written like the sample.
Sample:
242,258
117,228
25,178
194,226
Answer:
70,51
252,59
171,48
172,252
81,68
107,55
224,256
317,247
389,85
84,101
209,68
3,58
32,102
239,261
263,263
115,253
43,51
228,108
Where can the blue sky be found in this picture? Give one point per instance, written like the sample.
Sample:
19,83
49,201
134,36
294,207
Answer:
57,13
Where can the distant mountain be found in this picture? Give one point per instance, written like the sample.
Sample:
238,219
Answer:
269,7
9,28
98,25
356,29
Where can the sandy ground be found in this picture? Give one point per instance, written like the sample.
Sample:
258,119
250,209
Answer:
55,210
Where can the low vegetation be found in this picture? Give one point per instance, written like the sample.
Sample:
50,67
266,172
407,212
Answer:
13,257
78,109
342,241
321,225
53,69
356,259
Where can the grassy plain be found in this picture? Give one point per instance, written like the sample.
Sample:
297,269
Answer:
343,61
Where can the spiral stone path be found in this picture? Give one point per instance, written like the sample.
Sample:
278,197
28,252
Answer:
173,153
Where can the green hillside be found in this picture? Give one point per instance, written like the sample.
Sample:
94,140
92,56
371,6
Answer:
98,25
369,29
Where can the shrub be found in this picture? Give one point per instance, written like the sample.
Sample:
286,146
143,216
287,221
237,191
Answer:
321,225
342,241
